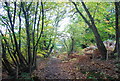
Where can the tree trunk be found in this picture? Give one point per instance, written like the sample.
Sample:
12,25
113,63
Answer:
20,29
72,45
33,33
117,24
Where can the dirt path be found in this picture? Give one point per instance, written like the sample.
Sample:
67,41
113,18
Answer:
50,69
54,68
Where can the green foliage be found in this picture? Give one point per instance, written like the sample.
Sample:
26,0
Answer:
42,54
54,13
104,18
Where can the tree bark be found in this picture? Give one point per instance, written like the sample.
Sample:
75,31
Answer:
20,29
117,24
33,34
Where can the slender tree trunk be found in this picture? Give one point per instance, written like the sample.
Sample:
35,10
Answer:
65,44
33,32
72,45
20,29
39,37
47,47
48,54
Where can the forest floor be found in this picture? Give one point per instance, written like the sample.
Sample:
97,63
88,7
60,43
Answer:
76,67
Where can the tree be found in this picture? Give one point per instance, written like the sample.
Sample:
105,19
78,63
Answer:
22,61
92,25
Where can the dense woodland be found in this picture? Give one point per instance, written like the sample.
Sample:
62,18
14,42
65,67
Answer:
60,40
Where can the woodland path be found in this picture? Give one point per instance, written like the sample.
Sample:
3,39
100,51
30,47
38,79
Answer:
55,68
